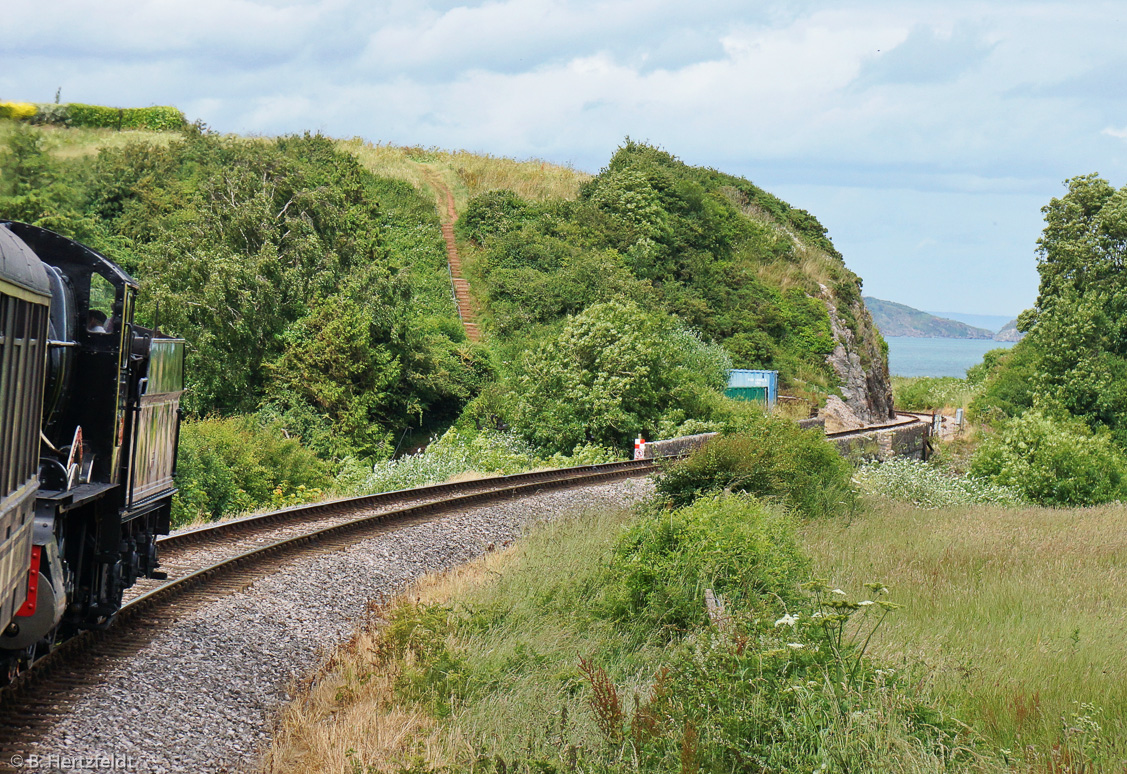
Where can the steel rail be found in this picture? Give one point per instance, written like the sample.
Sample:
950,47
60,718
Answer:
43,693
299,513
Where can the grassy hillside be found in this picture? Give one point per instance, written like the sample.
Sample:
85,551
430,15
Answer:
728,258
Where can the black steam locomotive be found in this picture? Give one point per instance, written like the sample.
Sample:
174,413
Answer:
89,421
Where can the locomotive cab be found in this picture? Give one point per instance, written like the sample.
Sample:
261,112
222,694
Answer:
108,452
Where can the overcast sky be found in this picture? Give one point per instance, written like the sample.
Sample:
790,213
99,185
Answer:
925,135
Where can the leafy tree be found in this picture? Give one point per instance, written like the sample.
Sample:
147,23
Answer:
1075,353
32,188
613,371
341,360
1084,243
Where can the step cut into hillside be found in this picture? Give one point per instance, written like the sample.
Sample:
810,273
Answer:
461,287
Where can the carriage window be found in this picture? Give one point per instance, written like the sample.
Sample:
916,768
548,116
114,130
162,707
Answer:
100,318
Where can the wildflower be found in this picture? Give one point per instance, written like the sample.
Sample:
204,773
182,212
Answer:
786,620
795,645
865,602
839,592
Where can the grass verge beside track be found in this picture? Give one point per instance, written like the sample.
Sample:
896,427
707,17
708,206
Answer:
587,647
1013,616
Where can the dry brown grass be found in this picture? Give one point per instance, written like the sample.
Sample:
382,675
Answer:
1016,616
345,711
468,174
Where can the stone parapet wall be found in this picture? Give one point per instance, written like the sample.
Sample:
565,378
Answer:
818,422
904,440
906,437
674,446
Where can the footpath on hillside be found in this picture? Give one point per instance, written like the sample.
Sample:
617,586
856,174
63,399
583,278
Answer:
461,286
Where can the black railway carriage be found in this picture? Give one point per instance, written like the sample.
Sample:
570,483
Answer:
101,430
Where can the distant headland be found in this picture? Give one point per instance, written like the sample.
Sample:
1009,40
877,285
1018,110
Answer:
893,319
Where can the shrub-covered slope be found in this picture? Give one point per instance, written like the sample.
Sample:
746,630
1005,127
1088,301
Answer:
308,276
733,262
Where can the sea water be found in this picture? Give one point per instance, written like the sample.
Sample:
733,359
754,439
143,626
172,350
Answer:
910,356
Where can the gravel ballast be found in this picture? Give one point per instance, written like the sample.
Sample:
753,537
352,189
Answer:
200,697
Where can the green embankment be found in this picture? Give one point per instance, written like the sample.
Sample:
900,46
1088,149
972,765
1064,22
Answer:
308,276
590,647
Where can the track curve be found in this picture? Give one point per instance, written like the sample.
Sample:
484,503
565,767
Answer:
36,699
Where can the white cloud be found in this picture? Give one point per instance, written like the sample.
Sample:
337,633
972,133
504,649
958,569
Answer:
967,97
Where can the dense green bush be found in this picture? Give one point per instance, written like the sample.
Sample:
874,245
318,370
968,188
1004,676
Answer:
1008,380
734,544
55,115
612,372
238,464
1053,461
776,459
795,694
492,214
100,117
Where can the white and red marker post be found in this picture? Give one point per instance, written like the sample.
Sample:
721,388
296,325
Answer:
639,448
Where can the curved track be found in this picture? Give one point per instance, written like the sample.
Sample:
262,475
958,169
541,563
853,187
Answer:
903,419
214,561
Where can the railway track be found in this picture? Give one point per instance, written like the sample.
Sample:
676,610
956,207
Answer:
209,563
903,419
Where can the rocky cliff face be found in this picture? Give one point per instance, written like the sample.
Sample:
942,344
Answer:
1009,333
860,362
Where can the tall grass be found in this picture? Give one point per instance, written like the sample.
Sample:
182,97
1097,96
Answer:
933,393
468,174
531,662
1014,616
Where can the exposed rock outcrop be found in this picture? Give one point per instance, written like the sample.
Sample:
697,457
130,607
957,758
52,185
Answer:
860,363
1009,333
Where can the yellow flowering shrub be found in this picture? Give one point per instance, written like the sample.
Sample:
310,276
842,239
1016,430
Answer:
17,111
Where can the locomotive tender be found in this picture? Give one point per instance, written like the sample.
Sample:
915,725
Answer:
89,422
